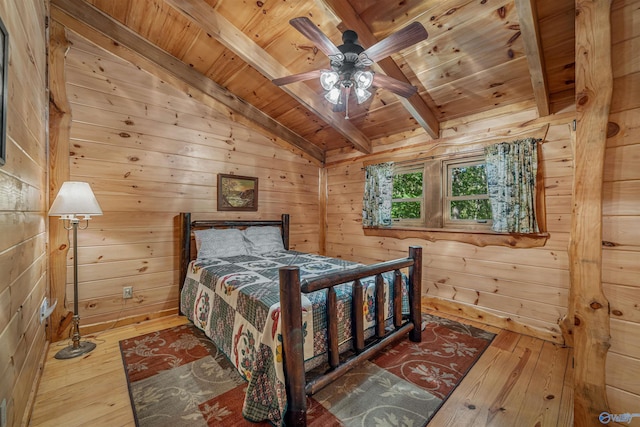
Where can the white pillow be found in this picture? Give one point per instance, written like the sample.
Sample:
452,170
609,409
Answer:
225,242
262,240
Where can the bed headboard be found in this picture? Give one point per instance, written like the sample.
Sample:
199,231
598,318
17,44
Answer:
187,242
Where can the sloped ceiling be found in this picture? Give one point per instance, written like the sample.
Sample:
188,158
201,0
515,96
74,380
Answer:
480,56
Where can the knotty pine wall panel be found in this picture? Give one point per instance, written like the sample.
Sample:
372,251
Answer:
526,286
149,152
23,205
621,213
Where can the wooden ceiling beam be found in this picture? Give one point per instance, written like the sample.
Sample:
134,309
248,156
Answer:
116,38
218,27
530,31
414,104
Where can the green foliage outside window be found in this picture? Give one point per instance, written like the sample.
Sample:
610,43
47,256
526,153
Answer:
476,209
406,186
465,193
469,181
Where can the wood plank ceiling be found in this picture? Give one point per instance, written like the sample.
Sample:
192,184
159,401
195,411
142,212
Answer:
480,55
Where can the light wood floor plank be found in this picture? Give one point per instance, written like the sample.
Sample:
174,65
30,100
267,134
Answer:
510,385
545,389
91,389
512,396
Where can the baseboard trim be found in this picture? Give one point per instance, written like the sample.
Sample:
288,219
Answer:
478,314
87,330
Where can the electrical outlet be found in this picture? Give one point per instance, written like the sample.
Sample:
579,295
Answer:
127,292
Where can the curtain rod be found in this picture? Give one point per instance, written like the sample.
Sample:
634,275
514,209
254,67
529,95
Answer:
433,157
440,156
445,155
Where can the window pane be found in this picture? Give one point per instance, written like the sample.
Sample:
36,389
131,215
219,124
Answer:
407,185
405,210
475,209
468,180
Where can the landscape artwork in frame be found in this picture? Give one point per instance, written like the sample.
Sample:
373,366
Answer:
237,193
4,66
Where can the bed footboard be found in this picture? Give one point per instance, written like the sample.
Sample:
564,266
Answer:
292,333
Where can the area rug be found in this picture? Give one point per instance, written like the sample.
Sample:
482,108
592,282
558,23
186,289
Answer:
177,377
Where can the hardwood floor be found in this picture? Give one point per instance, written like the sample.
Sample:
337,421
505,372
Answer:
518,381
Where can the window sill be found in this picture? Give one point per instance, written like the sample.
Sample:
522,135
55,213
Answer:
473,237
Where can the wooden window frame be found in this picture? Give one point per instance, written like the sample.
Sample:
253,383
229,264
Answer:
447,198
432,229
411,222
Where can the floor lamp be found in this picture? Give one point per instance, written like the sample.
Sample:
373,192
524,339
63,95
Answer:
75,200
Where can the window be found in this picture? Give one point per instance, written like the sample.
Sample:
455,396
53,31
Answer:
494,197
466,202
407,196
442,193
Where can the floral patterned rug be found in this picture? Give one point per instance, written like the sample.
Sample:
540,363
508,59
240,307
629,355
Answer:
177,377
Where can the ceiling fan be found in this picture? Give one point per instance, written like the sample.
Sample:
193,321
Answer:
350,63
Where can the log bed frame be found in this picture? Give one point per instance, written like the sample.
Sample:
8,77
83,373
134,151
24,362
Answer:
291,289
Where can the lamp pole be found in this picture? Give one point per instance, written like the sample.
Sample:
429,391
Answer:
77,348
74,200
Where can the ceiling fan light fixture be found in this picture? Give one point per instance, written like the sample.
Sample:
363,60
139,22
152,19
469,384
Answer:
362,95
363,79
349,63
333,96
328,79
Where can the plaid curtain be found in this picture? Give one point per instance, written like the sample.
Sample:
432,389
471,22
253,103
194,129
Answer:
511,182
378,187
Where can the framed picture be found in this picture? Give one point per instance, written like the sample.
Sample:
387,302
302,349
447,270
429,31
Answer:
237,193
4,71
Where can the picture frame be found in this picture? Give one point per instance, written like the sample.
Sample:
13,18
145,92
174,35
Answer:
4,72
237,193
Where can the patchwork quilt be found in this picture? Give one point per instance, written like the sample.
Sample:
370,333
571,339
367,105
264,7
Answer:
235,301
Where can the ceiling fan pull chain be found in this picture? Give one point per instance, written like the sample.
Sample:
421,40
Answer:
346,102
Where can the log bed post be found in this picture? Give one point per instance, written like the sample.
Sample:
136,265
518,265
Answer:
293,348
185,245
415,293
285,230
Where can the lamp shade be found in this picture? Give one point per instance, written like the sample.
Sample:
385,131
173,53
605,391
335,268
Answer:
363,79
333,96
362,95
75,199
328,79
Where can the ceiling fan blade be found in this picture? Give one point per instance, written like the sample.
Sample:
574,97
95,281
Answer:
392,85
401,39
297,77
313,33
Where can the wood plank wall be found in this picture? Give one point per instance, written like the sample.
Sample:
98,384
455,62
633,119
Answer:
149,151
23,205
520,289
529,286
621,212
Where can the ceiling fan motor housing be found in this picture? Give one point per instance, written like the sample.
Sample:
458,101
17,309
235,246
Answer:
349,63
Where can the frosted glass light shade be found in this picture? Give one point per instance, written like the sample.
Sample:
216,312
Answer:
333,96
328,79
363,79
75,199
362,95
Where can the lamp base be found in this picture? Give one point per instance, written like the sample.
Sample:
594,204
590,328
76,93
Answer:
70,352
